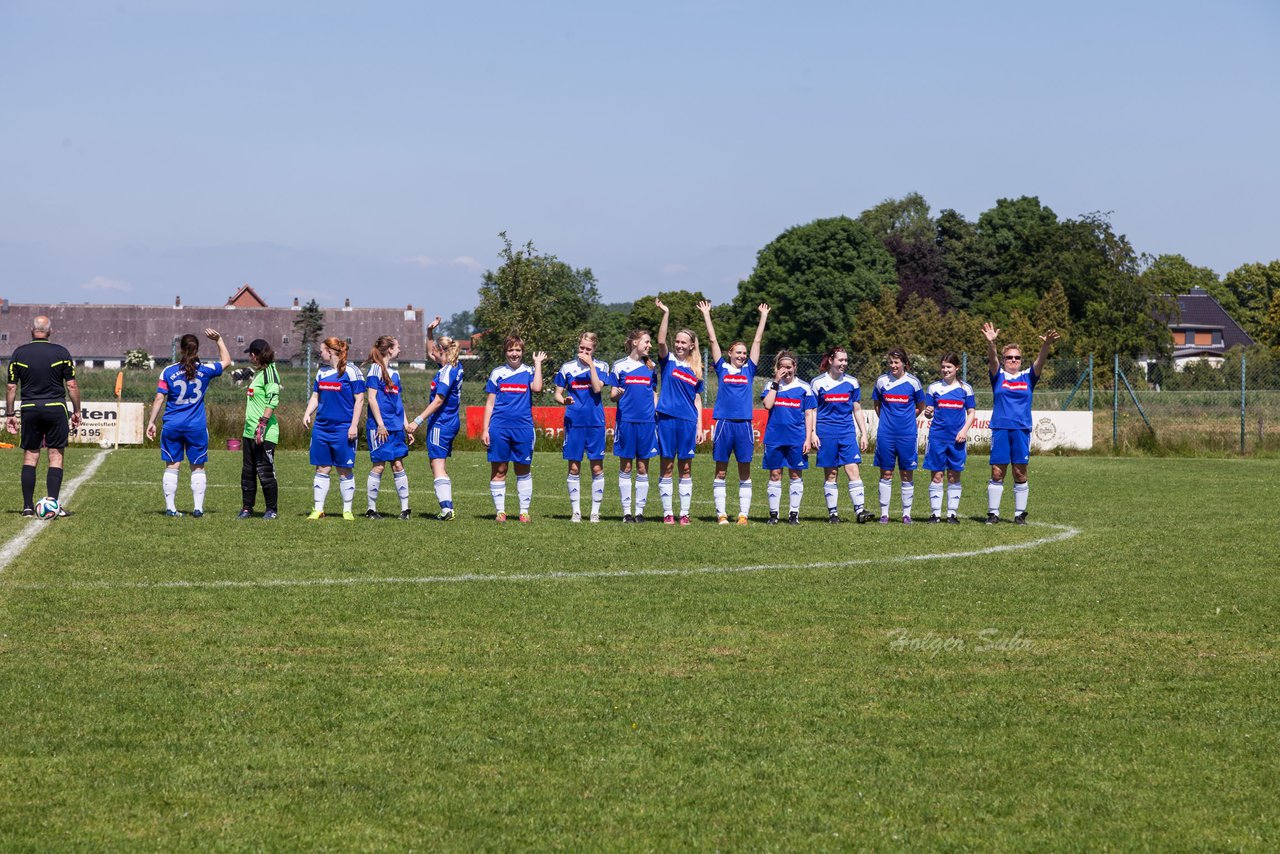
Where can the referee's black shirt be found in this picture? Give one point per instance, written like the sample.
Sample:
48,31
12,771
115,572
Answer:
43,368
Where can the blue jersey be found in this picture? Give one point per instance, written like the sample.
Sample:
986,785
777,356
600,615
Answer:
733,394
338,393
390,403
512,396
448,385
680,385
835,404
898,399
184,398
786,418
1012,407
949,404
636,379
587,410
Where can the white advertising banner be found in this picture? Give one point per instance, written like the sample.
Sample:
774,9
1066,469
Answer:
1050,428
100,421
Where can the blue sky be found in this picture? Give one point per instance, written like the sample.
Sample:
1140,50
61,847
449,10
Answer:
374,151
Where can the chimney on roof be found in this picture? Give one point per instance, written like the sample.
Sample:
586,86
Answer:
4,306
177,301
346,304
295,304
1198,291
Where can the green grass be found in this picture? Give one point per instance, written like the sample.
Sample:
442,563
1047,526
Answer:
1134,707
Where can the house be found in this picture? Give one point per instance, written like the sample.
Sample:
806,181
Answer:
1204,331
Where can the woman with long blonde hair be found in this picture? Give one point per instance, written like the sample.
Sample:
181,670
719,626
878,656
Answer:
442,420
337,396
679,413
578,384
635,434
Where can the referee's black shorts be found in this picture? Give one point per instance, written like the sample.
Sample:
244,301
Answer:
45,423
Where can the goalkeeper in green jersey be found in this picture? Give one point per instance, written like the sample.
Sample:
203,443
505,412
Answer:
261,432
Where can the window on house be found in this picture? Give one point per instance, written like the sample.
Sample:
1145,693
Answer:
239,339
1179,338
1204,339
348,340
284,339
4,336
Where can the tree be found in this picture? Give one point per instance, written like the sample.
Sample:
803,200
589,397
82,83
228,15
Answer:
1129,317
460,325
1174,275
309,326
684,313
536,296
814,276
1254,287
1271,330
911,236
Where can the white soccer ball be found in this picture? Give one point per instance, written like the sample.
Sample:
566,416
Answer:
47,508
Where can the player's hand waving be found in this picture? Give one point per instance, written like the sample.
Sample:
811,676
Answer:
990,332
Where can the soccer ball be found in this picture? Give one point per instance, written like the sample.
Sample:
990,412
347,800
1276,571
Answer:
47,508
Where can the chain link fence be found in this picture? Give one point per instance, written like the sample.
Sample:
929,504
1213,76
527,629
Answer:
1231,405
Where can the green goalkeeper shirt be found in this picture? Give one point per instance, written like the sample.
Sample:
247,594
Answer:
262,394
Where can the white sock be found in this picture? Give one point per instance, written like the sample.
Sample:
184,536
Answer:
886,493
524,491
744,497
831,491
371,486
402,488
575,493
444,491
686,495
624,492
797,493
774,491
995,491
1020,491
642,493
935,498
597,493
347,489
498,491
719,491
199,481
953,498
908,491
857,495
664,492
170,484
320,489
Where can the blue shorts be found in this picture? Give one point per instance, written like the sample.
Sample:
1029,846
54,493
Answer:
580,441
836,451
896,452
733,437
395,448
511,445
677,438
330,450
635,440
784,457
945,456
1010,446
193,441
440,441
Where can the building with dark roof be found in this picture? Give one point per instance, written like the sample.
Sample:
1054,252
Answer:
1204,330
100,335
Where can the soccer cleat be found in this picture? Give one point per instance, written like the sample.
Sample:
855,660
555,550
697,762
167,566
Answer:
684,520
526,518
639,520
173,514
884,520
372,514
1020,518
722,519
793,519
993,518
576,517
197,514
934,519
405,515
863,517
628,519
348,516
63,512
834,519
906,520
668,519
271,514
742,519
28,512
245,513
501,517
316,514
952,520
594,518
773,518
446,514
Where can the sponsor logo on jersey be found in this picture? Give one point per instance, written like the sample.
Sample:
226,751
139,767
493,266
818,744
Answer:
513,388
638,379
1020,385
950,403
897,398
249,391
684,376
837,398
580,385
329,385
736,379
433,386
788,402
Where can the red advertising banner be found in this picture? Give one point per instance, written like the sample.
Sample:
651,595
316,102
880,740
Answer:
549,421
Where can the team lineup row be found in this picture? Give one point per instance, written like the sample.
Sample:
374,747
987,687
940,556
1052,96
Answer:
658,413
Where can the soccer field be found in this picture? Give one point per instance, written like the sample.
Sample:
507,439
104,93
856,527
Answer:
1103,678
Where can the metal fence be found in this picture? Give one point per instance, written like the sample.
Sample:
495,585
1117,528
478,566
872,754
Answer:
1231,407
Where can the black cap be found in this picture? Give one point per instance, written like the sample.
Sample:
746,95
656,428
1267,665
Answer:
257,347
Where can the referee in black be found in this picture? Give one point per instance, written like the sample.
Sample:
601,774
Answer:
48,378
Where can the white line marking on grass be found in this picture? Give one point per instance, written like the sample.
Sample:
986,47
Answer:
15,547
1065,532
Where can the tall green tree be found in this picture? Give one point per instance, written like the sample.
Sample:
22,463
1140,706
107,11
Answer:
910,235
308,326
683,306
536,296
813,276
1254,287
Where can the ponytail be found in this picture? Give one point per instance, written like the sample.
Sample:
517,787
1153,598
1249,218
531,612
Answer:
829,357
449,349
339,347
189,347
378,354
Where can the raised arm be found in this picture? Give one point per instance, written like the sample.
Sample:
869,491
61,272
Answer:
705,307
538,358
224,355
662,327
754,355
993,356
434,353
1046,341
